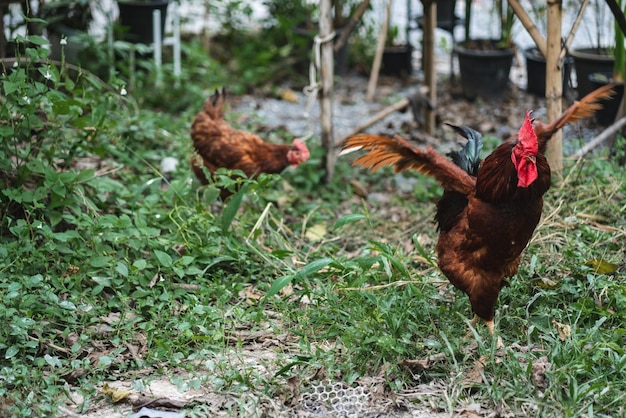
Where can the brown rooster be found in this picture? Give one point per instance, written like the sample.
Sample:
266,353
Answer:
218,145
490,209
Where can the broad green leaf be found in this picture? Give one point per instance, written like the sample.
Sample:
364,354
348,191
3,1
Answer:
210,195
314,267
100,261
348,219
283,281
164,259
38,40
231,209
11,351
140,264
279,284
280,253
84,175
121,268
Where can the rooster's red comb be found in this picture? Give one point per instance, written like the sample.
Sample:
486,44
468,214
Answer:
527,137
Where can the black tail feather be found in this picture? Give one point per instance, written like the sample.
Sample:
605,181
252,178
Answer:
468,157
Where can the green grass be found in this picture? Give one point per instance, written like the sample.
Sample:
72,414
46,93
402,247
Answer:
107,274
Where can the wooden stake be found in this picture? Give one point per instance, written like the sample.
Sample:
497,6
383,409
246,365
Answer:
554,83
380,47
326,100
428,48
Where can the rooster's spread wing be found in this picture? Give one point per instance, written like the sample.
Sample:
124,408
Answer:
403,155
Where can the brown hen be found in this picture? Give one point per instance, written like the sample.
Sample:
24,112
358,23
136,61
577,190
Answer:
217,145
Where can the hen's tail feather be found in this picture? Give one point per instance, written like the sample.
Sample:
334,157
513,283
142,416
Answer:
404,155
468,158
586,107
214,105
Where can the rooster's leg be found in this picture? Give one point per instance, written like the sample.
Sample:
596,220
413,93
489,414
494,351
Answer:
475,320
491,328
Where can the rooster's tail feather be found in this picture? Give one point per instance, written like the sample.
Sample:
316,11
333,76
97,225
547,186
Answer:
584,108
468,157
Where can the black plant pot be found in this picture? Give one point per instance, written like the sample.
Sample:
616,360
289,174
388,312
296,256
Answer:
136,16
606,115
536,71
484,68
588,61
397,60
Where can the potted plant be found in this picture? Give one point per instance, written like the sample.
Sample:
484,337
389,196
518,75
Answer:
136,19
396,55
485,64
68,20
597,58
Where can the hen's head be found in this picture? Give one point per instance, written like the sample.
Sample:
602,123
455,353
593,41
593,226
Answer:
524,154
298,153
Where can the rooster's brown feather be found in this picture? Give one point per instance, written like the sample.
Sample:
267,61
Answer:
485,222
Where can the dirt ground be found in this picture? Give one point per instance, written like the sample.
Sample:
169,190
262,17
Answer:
173,390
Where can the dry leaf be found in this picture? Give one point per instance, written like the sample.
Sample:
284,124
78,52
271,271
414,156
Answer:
601,266
475,376
470,411
250,294
358,189
424,363
287,290
546,283
539,369
289,95
316,232
116,395
564,330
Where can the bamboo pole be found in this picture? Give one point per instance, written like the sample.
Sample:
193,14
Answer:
604,136
326,76
554,83
529,25
354,19
574,29
400,105
428,49
534,33
380,47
